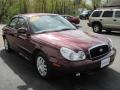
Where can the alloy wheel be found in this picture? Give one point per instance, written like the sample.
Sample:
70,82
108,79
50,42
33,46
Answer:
97,28
6,45
41,66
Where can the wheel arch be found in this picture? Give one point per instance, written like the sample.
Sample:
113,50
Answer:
96,22
4,37
36,51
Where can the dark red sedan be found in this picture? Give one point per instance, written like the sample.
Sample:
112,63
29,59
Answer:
72,19
53,43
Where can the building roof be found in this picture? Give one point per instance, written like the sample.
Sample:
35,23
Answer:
113,3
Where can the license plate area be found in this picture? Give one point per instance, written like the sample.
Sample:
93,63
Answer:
105,62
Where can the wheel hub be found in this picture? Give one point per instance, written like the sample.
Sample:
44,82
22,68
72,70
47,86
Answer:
96,28
6,44
41,66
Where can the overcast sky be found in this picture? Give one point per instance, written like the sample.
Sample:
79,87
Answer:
88,1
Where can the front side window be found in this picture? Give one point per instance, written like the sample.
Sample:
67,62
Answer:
13,23
21,23
107,14
96,14
48,23
117,14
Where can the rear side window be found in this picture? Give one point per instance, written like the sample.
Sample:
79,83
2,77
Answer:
117,14
96,14
107,14
13,23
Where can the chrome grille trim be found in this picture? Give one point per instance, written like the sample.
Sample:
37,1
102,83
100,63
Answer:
96,47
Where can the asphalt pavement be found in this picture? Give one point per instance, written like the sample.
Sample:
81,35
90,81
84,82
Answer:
16,73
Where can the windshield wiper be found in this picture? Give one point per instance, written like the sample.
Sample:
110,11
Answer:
64,29
67,29
43,31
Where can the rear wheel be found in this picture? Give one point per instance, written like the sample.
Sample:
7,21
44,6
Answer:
108,31
43,66
7,45
97,28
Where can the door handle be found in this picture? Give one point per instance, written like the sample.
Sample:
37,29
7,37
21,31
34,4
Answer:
101,19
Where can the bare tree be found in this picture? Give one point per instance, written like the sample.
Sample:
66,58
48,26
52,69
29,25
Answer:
3,7
96,3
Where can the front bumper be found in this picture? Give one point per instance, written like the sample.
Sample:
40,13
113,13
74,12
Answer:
86,65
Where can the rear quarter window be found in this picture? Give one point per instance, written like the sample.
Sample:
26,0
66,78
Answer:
96,14
117,14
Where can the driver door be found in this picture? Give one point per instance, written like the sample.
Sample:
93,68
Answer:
23,41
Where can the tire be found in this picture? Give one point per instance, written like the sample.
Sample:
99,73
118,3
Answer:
108,31
7,45
43,66
97,28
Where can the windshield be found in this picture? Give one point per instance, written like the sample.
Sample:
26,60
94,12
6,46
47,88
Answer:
49,23
85,12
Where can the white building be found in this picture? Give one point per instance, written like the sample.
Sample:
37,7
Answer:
113,3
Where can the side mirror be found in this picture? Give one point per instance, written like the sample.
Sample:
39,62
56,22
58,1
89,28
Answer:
22,30
77,26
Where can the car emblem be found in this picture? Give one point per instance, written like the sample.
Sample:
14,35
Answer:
100,50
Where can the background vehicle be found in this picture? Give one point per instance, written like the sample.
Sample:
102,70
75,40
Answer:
72,19
53,43
107,19
85,14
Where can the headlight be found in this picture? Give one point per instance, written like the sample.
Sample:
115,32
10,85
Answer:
110,43
72,55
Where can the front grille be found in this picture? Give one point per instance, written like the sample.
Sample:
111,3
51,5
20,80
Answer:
98,51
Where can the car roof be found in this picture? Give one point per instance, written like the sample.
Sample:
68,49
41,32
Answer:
107,9
33,14
67,15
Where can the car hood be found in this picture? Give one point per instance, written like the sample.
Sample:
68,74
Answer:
74,39
83,14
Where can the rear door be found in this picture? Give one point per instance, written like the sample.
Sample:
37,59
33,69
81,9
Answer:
11,31
117,19
107,19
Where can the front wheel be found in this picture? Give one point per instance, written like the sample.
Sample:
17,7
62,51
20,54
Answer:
97,28
43,66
